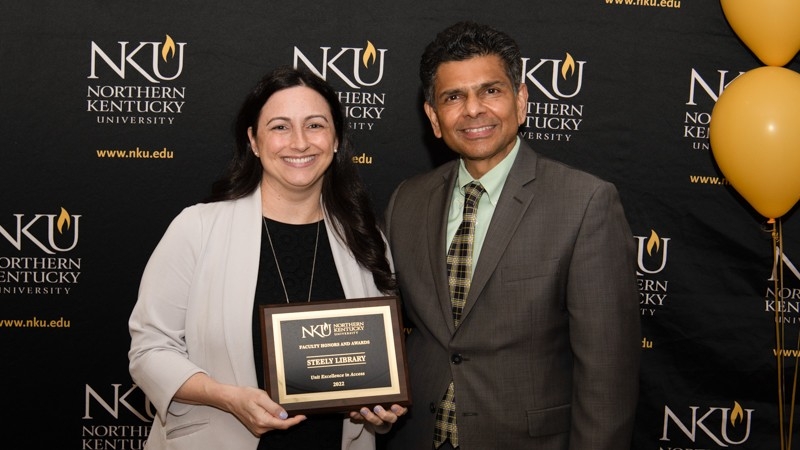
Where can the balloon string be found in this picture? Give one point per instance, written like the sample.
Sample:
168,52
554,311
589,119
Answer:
797,345
778,275
794,392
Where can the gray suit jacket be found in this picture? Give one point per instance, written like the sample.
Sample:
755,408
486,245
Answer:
547,354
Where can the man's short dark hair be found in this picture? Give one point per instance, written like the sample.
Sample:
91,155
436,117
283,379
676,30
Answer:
466,40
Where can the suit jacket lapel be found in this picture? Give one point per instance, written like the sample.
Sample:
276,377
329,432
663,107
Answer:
241,273
438,209
513,203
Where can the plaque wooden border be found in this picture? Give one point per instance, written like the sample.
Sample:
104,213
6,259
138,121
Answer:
343,369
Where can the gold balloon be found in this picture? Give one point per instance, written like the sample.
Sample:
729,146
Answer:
769,28
754,134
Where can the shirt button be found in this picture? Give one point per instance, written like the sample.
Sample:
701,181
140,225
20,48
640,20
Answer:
432,407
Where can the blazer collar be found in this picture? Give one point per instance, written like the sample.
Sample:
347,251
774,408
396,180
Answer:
241,271
516,197
441,194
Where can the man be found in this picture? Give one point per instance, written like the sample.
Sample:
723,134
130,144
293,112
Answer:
542,349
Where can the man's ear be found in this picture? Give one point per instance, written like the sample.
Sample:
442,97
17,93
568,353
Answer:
522,103
430,111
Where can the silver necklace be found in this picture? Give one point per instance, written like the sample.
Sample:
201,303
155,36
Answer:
278,266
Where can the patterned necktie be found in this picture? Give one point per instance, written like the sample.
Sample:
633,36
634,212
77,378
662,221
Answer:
459,274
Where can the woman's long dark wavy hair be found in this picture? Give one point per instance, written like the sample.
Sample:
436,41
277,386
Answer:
343,193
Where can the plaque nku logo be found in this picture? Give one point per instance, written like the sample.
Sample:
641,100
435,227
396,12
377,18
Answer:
350,74
548,71
148,53
319,330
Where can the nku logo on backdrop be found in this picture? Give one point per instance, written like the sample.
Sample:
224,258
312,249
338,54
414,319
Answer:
352,58
722,426
51,234
132,90
785,302
149,54
651,259
558,80
706,90
358,69
110,417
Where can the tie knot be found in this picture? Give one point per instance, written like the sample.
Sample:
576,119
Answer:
472,192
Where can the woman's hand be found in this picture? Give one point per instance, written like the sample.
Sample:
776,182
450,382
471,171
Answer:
256,410
379,417
253,407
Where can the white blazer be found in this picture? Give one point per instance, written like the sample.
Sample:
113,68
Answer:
194,314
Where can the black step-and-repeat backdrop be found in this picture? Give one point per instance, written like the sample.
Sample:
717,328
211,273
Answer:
115,115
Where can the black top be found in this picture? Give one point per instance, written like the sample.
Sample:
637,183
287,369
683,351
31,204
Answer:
294,248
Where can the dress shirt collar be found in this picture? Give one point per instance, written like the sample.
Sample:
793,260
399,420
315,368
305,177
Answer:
493,180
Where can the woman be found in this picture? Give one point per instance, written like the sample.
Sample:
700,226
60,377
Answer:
290,221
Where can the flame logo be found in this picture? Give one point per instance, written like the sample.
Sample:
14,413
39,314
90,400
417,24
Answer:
63,218
653,241
569,66
169,48
326,329
369,54
737,414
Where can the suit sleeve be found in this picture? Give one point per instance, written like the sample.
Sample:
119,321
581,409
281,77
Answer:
387,217
158,354
604,323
